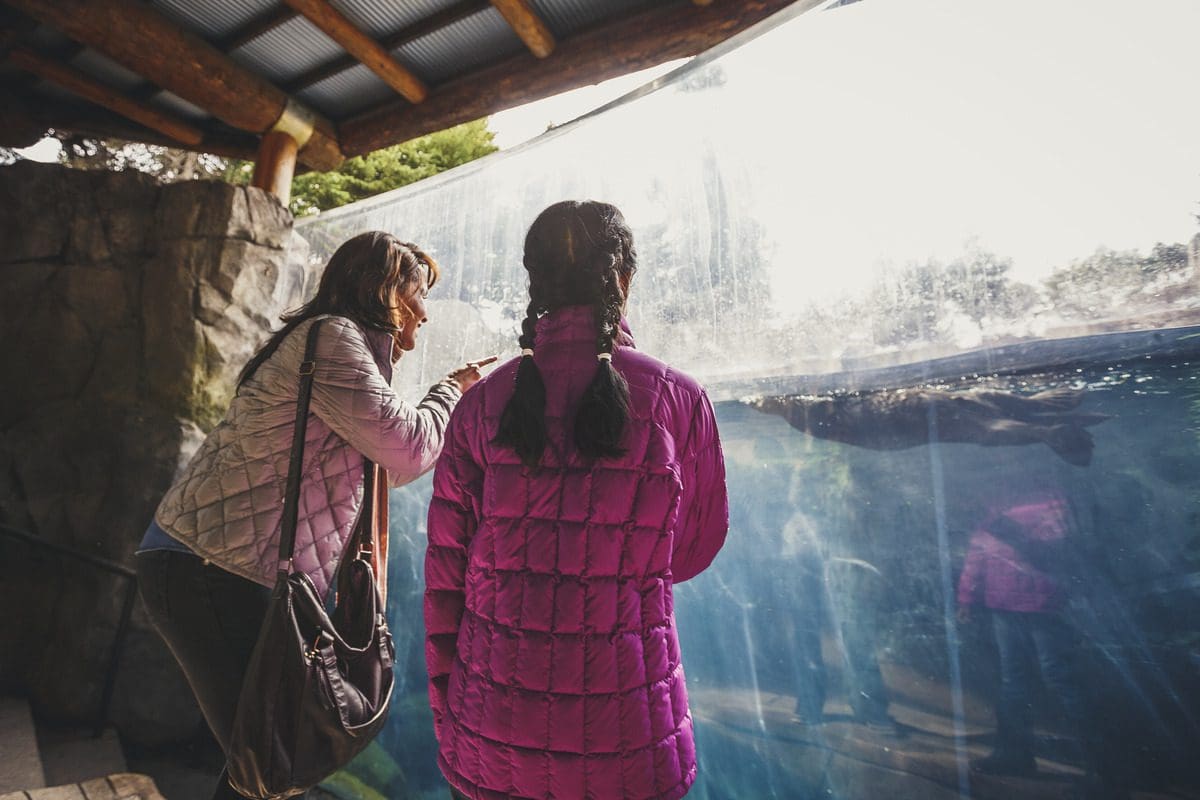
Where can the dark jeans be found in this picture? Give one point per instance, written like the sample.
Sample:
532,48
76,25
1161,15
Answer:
845,596
210,620
1022,639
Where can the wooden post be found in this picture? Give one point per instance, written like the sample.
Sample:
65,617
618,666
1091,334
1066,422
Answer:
276,164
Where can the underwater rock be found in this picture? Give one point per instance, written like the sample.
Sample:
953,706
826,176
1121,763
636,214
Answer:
895,419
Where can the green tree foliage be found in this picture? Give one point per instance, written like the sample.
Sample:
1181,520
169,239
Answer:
915,303
165,163
391,167
1108,279
356,179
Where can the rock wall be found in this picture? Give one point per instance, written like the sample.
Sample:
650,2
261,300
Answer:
126,310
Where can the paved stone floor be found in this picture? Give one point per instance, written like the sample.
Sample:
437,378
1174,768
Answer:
121,786
755,734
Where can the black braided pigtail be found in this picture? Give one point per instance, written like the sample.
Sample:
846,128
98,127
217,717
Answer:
523,422
604,407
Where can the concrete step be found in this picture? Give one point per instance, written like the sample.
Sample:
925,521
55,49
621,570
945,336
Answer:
122,786
74,756
20,763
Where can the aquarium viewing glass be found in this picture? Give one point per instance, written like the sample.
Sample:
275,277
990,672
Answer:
937,264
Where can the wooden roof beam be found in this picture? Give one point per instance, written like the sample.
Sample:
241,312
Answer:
522,18
662,33
101,94
90,120
142,40
358,44
435,22
268,21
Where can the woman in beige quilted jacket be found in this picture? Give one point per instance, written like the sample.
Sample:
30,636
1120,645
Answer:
209,558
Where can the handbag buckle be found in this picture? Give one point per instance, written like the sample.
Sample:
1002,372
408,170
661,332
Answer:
312,652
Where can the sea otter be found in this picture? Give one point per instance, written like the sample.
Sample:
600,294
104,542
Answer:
894,419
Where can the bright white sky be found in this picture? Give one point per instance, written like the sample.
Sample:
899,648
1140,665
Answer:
523,123
891,131
1043,128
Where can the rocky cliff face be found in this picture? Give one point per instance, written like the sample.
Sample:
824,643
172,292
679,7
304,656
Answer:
126,310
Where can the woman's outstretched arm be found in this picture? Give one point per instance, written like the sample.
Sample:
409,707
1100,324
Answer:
352,397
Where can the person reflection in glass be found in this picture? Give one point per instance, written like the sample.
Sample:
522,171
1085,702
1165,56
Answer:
1016,567
848,592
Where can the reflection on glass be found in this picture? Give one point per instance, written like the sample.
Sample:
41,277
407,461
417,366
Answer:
944,295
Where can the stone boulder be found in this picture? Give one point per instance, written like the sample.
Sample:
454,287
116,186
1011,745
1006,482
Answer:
127,309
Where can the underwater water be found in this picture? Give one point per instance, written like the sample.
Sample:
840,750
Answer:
953,355
836,596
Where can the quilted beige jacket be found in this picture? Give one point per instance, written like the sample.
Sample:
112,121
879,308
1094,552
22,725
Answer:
227,505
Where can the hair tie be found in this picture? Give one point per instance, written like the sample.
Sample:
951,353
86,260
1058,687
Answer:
526,351
604,357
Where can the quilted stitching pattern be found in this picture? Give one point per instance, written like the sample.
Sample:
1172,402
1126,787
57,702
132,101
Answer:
554,663
228,504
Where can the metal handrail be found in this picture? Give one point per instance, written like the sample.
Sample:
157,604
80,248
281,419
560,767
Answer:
121,571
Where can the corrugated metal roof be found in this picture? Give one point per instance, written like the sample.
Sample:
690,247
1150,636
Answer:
292,49
106,70
381,18
565,17
459,48
349,92
183,108
213,19
43,37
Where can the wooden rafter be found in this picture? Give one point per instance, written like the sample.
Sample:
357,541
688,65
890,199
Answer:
142,40
444,18
522,18
90,120
665,32
358,44
269,20
101,94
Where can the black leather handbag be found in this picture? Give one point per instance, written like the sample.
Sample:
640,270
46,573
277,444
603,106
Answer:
318,685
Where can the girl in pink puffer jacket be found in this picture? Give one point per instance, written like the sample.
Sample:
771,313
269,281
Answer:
578,484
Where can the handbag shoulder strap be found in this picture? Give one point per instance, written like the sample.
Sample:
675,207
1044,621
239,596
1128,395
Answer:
291,498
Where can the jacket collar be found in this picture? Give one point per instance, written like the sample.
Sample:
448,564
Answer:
380,343
576,324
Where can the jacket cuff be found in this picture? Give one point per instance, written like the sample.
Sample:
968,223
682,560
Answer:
447,386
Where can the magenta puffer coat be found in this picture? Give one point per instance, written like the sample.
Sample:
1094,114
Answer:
1001,574
553,658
